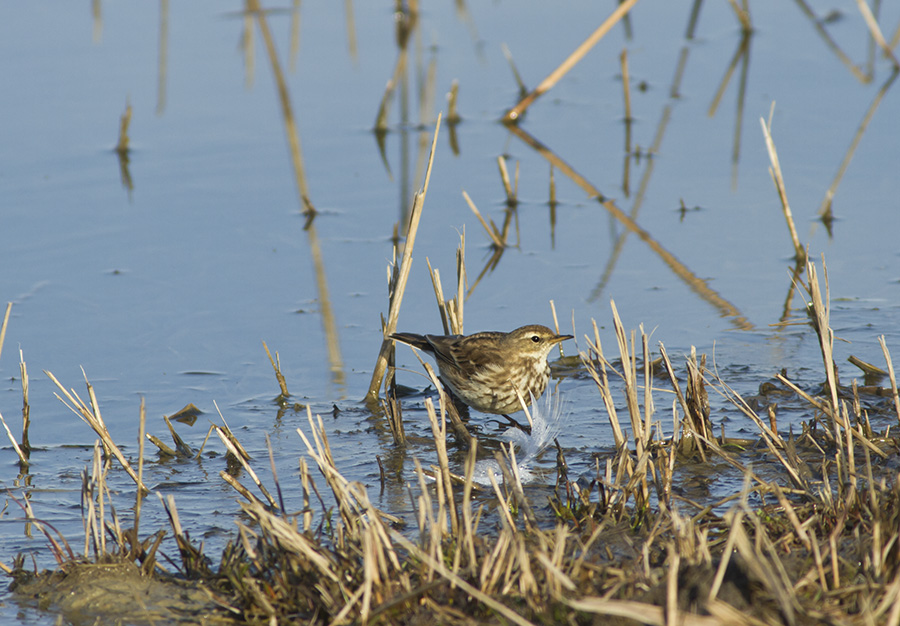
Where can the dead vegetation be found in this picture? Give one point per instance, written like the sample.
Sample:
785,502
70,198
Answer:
813,541
816,544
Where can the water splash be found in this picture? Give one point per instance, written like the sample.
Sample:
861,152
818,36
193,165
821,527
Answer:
548,415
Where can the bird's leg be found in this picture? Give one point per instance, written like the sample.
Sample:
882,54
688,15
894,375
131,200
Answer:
515,424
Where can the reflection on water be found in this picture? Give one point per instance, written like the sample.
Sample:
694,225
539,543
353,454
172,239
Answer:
203,257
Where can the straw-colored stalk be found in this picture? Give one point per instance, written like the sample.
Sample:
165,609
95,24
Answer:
445,485
892,377
620,11
778,179
4,325
452,103
142,429
599,375
233,449
493,232
90,414
875,31
629,371
276,365
511,188
626,84
399,287
23,457
124,122
26,404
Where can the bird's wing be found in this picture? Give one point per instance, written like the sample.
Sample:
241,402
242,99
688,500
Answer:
470,354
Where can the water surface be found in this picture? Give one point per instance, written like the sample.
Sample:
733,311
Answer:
164,282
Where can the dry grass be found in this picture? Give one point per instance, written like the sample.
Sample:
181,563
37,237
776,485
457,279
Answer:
621,548
513,115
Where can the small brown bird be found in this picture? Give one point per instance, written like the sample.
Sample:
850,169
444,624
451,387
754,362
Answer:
481,369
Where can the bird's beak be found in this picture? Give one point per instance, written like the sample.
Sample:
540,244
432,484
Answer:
561,338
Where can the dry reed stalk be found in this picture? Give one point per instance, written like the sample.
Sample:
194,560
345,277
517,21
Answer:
235,484
236,453
640,612
742,13
99,474
867,368
523,90
142,430
774,442
648,384
697,399
452,98
4,325
733,518
778,179
768,568
468,524
225,430
26,405
524,408
162,447
439,294
124,122
675,386
492,563
23,458
399,286
821,317
598,373
276,365
513,478
505,507
181,447
445,485
512,191
425,516
626,84
320,451
492,230
439,567
875,31
556,326
461,279
394,415
91,416
275,474
89,511
579,53
891,376
825,408
629,372
672,613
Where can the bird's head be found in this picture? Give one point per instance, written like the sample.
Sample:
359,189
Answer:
535,340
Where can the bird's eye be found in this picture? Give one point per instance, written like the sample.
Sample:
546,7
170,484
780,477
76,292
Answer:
536,339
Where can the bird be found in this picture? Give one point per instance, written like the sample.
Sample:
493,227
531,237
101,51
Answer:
484,370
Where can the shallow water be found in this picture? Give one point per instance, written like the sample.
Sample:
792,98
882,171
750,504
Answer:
164,288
